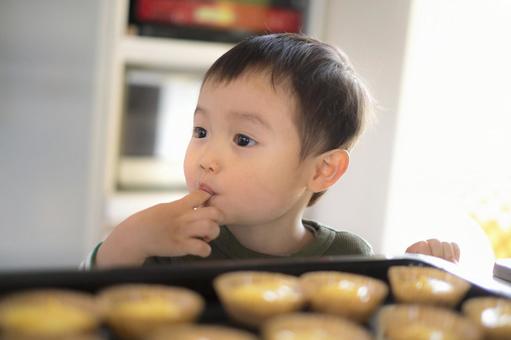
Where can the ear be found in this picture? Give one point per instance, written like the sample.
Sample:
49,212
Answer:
329,167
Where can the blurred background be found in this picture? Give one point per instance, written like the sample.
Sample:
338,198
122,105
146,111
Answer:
96,100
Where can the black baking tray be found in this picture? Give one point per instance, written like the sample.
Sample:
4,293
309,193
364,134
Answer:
198,276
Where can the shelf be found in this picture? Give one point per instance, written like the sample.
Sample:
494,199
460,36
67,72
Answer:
165,52
150,172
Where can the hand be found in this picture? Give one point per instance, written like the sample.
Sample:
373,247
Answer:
449,251
182,227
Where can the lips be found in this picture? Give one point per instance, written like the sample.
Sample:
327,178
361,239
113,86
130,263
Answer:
207,189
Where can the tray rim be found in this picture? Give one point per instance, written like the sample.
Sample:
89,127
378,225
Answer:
11,280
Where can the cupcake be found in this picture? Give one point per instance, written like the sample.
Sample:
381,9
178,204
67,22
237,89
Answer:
353,296
426,285
420,322
493,315
302,326
201,332
49,314
251,297
134,310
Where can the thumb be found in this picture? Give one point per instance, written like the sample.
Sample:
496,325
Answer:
195,198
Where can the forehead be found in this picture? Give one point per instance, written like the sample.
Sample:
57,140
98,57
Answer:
251,95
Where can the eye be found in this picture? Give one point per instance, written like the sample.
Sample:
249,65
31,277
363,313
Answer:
199,132
242,140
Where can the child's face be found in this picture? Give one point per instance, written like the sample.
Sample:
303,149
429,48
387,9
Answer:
245,150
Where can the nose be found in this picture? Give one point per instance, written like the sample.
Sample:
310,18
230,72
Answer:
209,165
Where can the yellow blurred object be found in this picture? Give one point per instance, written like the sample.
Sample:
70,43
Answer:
48,314
353,296
134,310
316,334
420,332
493,315
270,292
316,326
425,285
52,317
494,217
152,307
422,322
430,284
252,297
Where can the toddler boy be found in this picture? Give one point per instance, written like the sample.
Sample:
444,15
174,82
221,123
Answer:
276,118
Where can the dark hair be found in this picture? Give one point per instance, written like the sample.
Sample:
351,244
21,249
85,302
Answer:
331,99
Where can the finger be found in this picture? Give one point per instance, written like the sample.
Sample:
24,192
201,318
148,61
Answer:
203,229
197,247
436,247
420,247
210,234
208,213
195,199
448,252
457,252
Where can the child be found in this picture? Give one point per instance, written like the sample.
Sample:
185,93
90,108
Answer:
275,120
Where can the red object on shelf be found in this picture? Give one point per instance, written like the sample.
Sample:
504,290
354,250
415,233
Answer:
219,15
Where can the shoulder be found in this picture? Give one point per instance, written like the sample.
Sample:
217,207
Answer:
342,242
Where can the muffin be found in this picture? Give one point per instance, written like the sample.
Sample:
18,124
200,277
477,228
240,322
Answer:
493,315
353,296
251,297
426,285
302,326
48,314
134,310
201,332
420,322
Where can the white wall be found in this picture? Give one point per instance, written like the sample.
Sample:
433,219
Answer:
47,99
373,34
453,141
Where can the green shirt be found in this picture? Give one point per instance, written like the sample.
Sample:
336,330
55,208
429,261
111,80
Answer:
327,242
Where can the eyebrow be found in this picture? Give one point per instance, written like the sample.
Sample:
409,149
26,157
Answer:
243,116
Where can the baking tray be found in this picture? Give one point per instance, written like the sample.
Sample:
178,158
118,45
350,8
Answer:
199,276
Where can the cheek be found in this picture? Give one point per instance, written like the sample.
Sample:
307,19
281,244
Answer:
260,183
189,170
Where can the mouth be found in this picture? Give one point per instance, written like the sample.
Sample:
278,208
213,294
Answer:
207,189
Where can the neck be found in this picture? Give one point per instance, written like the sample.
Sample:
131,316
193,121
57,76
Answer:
279,237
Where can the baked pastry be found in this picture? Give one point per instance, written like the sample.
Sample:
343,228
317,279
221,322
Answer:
426,285
134,310
251,297
48,314
421,322
307,326
201,332
353,296
92,336
493,315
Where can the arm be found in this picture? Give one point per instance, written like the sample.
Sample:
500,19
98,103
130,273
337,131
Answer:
169,229
449,251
